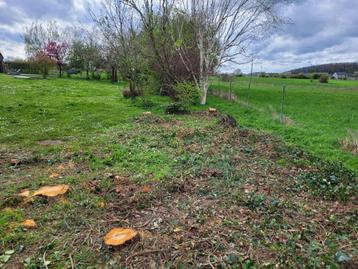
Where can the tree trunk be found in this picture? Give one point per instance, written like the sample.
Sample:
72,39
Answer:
87,74
204,85
114,77
60,68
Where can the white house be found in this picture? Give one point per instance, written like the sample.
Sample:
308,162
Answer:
340,75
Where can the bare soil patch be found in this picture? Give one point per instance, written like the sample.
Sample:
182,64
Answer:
50,142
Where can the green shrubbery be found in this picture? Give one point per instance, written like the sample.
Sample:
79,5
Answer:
299,76
324,78
186,94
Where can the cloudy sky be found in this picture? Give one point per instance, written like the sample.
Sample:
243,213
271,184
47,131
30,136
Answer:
322,31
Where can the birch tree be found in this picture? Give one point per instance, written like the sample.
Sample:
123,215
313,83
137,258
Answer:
224,31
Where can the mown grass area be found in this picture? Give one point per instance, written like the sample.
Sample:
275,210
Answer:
319,116
200,193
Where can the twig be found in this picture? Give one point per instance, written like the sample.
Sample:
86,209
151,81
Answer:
144,224
44,260
145,253
72,264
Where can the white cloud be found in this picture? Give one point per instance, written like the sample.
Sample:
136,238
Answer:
12,49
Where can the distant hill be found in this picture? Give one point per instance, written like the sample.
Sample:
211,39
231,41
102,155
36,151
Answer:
349,68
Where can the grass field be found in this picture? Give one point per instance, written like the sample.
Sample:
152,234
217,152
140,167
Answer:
200,193
319,115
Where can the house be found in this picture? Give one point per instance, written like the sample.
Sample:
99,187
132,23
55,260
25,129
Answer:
340,75
1,63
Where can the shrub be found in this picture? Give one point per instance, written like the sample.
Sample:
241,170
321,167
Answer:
96,76
299,76
176,108
316,76
323,78
186,93
228,121
226,77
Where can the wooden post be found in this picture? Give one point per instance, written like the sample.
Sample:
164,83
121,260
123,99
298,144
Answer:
251,73
282,104
230,90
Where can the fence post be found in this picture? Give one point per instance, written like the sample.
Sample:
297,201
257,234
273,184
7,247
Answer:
251,73
282,116
230,90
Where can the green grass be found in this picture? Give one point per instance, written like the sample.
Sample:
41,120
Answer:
65,109
320,114
219,196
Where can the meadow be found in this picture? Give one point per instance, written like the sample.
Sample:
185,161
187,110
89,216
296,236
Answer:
319,116
199,192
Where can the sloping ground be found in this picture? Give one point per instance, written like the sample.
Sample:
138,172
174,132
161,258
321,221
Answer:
200,194
320,118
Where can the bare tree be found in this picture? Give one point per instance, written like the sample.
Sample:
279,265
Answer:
224,30
122,34
37,36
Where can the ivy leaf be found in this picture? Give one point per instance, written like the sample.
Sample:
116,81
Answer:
342,257
5,258
9,252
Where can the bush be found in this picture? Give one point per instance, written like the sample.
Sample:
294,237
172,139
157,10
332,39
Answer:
96,76
186,93
176,108
299,76
316,76
323,78
226,77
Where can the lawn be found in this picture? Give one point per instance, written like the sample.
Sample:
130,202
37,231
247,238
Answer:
319,116
199,193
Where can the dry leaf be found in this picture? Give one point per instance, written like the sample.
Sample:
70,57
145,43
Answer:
52,191
29,224
71,164
54,175
118,236
147,113
145,235
212,110
177,230
102,204
61,167
15,161
146,189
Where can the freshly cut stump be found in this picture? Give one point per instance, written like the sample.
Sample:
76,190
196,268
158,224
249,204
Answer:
29,224
51,191
119,236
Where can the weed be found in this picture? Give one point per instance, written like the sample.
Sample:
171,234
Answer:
350,143
332,181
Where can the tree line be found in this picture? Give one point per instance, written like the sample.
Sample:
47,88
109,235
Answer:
349,68
163,45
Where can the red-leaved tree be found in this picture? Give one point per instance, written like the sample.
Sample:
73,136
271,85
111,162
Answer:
57,51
